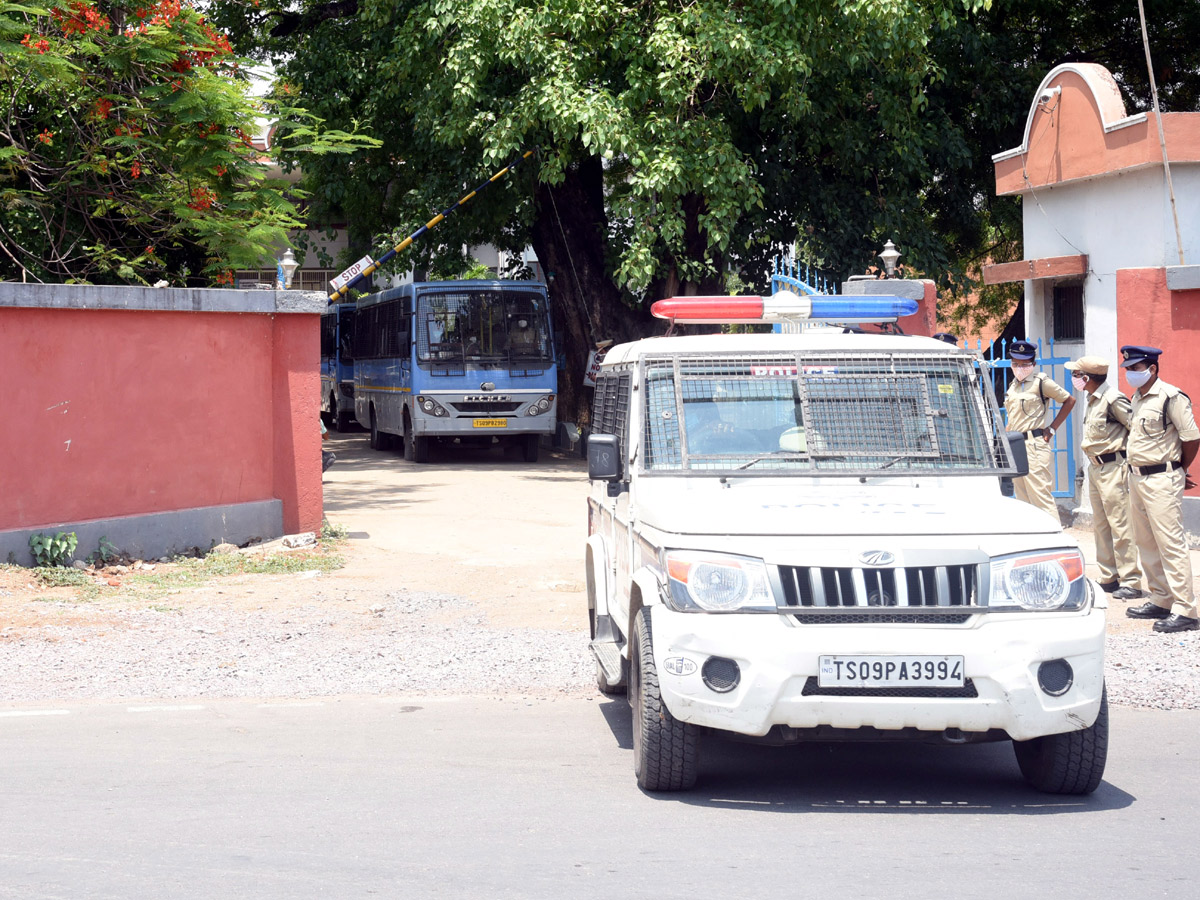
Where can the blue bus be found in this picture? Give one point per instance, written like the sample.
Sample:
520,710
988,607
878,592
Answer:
337,365
471,361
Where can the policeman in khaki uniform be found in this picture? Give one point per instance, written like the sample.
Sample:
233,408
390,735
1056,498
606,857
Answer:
1027,402
1105,430
1163,440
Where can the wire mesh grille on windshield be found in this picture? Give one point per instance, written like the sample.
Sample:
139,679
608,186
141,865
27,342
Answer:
483,327
822,412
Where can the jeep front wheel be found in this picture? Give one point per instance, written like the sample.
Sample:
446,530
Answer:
665,755
1071,763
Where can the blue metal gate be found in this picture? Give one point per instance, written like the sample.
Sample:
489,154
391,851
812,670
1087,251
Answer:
1063,444
789,274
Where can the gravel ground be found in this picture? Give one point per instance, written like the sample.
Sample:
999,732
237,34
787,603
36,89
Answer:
1154,670
409,642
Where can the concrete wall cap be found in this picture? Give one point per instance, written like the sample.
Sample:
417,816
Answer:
95,296
908,288
1183,278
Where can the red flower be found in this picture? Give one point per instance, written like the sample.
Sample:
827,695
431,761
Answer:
202,199
103,107
46,137
80,18
41,45
136,169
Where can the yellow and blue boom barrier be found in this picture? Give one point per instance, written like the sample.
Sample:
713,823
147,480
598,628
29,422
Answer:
366,266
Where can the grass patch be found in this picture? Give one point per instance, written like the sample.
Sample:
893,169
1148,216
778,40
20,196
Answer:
332,531
57,576
187,572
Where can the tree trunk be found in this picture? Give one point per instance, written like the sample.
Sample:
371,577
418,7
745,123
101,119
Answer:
569,236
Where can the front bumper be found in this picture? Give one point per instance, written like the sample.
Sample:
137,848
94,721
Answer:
1001,653
464,426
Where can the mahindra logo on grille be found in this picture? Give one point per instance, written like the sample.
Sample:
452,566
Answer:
486,398
877,558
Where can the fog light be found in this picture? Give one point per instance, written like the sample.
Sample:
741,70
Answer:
720,674
1056,677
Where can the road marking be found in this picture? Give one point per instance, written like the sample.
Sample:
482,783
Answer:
285,705
139,709
12,713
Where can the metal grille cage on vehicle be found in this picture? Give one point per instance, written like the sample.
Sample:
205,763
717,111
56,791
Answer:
826,412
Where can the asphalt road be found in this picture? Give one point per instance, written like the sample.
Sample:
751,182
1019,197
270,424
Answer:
469,797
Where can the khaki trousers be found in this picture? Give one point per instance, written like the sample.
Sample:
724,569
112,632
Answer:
1116,550
1035,488
1156,505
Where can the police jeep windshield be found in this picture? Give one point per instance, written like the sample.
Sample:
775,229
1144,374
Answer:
821,413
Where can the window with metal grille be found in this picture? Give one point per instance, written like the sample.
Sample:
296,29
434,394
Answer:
610,408
380,329
1068,312
838,414
329,332
490,329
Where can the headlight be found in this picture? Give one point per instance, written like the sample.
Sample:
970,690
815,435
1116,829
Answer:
541,406
714,582
431,406
1039,581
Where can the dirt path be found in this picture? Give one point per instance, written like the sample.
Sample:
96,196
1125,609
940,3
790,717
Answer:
504,534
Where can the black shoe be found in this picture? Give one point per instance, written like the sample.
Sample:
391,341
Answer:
1109,586
1127,593
1148,610
1175,622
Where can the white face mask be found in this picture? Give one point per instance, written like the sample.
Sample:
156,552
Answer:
1080,382
1022,372
1137,379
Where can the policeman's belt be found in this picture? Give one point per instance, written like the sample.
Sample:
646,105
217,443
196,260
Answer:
1161,467
1106,458
1037,432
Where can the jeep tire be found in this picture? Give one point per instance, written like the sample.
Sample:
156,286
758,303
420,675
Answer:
665,755
1071,763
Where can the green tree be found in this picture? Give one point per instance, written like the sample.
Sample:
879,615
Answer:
675,139
126,154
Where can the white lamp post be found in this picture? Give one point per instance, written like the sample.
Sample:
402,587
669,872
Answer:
289,266
889,256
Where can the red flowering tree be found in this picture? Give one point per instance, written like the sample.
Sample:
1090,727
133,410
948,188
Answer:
125,153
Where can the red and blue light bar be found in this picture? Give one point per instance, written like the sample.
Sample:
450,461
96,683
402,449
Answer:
784,306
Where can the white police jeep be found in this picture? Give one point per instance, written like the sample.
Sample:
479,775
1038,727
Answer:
804,537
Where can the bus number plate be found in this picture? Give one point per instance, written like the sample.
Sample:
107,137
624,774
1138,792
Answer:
890,671
489,423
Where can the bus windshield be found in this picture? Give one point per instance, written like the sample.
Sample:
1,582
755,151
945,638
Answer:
487,328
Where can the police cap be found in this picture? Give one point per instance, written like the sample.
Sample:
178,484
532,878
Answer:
1132,355
1022,350
1089,365
947,337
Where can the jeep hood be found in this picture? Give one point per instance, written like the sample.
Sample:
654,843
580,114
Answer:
784,506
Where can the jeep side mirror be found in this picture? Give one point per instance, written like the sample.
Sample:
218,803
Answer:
1016,443
604,457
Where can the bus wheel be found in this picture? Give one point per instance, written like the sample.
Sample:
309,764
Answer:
530,445
416,449
343,419
376,435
